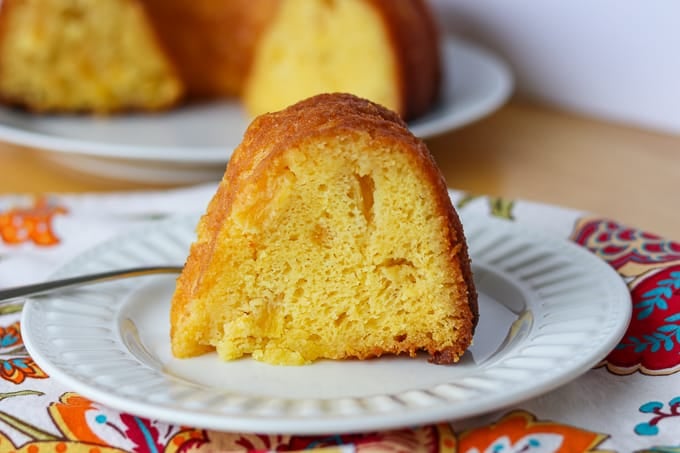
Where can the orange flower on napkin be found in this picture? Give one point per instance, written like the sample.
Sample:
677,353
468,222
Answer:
34,224
520,431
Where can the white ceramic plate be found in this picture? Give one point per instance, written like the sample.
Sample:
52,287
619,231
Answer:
549,311
193,143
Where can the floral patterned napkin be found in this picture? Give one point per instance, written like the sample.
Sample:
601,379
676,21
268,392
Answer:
630,403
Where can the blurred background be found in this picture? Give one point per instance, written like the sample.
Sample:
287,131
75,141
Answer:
612,59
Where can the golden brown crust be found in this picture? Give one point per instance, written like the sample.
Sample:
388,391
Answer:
415,38
326,115
212,42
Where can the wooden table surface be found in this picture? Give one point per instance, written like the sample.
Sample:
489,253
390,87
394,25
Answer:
522,151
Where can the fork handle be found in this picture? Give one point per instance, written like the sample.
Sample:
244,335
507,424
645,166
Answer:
52,285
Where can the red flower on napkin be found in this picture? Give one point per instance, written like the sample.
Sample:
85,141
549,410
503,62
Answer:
652,341
651,266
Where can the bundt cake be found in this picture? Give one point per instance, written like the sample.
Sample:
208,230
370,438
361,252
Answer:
331,236
112,55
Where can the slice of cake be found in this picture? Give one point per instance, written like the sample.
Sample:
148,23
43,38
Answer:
83,56
331,236
383,50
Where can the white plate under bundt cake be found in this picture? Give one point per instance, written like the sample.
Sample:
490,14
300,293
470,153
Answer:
331,235
117,55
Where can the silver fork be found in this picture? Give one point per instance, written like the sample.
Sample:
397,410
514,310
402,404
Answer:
53,285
